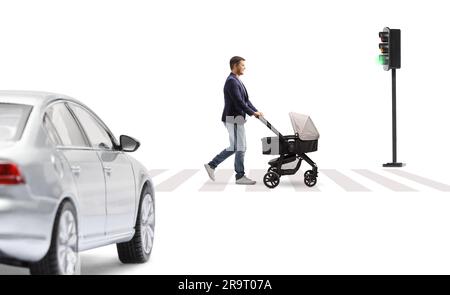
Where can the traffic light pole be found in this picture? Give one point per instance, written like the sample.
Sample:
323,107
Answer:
394,123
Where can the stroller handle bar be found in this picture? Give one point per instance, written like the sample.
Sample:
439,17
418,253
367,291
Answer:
274,130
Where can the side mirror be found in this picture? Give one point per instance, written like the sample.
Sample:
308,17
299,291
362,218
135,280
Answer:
128,144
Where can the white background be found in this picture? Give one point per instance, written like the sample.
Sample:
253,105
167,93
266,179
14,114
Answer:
155,70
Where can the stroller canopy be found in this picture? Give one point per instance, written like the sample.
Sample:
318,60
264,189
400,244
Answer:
304,126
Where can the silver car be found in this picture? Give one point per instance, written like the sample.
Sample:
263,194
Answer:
67,185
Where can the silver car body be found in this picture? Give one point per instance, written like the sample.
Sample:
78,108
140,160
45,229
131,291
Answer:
104,185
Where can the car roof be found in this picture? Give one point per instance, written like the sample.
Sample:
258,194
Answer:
33,98
40,99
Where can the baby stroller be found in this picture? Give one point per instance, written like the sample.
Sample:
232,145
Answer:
291,148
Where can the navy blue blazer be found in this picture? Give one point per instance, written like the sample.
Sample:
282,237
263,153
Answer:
236,99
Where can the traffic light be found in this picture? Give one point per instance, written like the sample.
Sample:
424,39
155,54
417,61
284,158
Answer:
390,49
390,59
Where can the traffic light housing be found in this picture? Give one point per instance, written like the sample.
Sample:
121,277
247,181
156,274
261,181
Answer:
390,56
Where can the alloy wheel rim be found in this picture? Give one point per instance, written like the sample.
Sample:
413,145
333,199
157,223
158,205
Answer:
67,244
147,223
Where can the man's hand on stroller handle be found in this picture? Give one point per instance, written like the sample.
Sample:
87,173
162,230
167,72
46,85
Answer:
258,114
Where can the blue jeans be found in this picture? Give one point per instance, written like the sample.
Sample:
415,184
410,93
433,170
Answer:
238,146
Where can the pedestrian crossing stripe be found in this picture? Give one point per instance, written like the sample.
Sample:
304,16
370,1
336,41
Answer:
329,180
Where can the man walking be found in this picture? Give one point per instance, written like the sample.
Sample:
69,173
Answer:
237,106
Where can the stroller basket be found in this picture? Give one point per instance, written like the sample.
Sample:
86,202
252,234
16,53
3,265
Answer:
291,144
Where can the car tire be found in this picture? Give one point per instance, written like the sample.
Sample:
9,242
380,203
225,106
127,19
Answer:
62,257
139,248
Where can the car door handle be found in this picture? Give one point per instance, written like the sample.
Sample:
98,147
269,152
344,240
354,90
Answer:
76,169
107,170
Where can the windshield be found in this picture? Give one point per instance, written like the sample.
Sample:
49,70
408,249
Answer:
13,118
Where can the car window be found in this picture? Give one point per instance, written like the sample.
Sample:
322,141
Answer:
13,118
51,130
97,135
65,126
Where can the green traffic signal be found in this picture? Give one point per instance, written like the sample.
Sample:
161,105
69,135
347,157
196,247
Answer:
383,59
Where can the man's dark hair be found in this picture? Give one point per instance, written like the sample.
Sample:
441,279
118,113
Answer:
235,60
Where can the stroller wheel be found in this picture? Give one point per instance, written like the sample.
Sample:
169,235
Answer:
271,179
310,178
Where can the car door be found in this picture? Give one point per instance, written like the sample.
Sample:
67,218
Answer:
119,175
85,166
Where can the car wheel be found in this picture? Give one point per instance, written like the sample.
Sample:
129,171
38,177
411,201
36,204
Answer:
138,249
62,257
